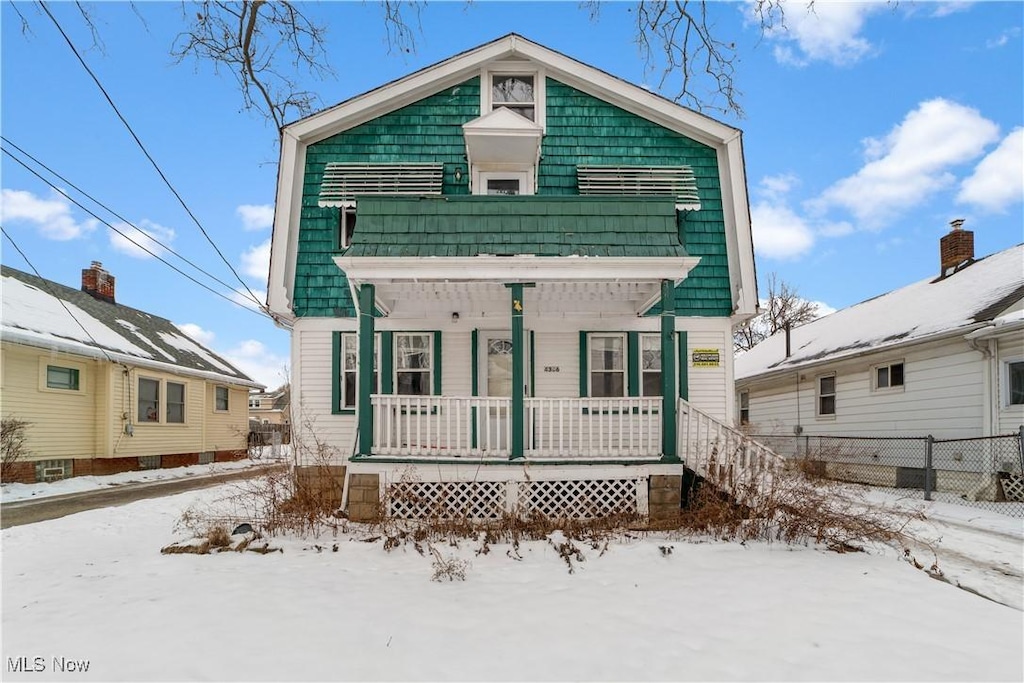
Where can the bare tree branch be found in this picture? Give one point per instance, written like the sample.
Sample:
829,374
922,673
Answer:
784,307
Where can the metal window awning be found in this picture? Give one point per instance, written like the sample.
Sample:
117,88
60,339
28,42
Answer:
342,182
657,181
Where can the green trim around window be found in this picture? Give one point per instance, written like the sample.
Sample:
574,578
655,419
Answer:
474,378
684,370
533,366
633,358
336,369
584,366
437,362
387,362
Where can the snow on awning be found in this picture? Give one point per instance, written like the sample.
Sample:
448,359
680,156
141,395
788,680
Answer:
342,182
659,181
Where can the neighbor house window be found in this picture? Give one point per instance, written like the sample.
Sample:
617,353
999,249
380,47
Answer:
175,402
414,364
827,395
350,368
1015,383
516,92
889,376
254,403
744,407
149,400
607,366
220,398
650,365
58,377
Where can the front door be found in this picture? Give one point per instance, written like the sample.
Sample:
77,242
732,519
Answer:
496,382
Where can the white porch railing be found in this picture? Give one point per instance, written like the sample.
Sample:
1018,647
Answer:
718,452
593,428
481,427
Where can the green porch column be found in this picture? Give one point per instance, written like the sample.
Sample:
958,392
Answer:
518,371
668,371
364,407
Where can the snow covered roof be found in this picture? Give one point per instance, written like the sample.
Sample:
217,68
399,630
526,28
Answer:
978,294
33,314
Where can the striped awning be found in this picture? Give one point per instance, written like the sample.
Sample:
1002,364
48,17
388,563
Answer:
637,181
343,182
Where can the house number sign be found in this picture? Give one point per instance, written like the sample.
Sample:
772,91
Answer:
552,368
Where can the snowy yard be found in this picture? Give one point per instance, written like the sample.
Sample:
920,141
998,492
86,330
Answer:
94,586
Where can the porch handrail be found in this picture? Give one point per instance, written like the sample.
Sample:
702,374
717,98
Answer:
720,452
441,426
593,428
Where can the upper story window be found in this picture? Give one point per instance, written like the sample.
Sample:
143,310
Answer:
515,85
744,407
254,403
514,91
58,377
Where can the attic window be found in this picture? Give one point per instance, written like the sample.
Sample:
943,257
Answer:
515,85
343,182
514,91
641,181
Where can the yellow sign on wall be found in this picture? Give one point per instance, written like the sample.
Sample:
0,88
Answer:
706,358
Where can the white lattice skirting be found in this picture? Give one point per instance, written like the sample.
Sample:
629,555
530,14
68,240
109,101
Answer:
487,500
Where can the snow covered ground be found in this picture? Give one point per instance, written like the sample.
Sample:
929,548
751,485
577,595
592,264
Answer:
12,492
93,586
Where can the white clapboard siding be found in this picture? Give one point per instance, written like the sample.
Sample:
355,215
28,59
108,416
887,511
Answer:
1010,417
311,413
707,386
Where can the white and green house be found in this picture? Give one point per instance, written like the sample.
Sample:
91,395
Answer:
511,280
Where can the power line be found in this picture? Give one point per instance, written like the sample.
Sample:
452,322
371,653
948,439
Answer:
59,300
148,251
148,156
120,217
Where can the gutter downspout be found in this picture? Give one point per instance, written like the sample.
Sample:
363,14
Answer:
988,403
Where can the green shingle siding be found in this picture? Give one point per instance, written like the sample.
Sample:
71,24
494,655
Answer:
580,130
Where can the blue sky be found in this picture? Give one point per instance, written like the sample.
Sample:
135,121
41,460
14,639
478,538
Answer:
867,128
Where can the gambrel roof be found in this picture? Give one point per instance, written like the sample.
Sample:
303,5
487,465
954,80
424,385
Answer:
49,315
723,141
988,292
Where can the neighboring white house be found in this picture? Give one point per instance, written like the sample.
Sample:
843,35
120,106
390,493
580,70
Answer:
512,272
943,356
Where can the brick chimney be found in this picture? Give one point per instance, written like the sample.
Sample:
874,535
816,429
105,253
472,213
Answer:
956,247
98,282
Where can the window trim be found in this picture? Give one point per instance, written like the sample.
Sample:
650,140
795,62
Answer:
46,363
818,395
339,406
623,336
743,407
167,402
434,364
891,388
514,68
633,362
161,400
524,174
74,378
227,398
1004,377
341,240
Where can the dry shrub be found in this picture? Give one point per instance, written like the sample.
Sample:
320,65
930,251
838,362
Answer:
791,507
448,567
13,450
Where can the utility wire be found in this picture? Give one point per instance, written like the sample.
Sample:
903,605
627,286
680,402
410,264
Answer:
260,312
149,156
118,216
60,300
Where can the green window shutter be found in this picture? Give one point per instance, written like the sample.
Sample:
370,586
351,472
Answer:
684,372
474,371
336,366
633,360
533,366
387,363
584,364
437,363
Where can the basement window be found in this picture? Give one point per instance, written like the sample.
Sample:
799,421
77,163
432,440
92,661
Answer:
52,470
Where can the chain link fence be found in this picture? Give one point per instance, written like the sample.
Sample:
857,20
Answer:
985,472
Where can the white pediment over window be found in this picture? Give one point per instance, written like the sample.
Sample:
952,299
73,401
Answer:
502,137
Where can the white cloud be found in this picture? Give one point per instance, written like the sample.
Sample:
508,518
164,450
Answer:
944,9
254,359
1003,38
911,163
204,337
250,356
51,217
256,216
998,180
774,187
256,261
826,32
145,234
779,233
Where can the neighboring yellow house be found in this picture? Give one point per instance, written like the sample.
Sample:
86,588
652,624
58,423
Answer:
106,388
270,407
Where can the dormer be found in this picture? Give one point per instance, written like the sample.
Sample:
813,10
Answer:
516,84
503,149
